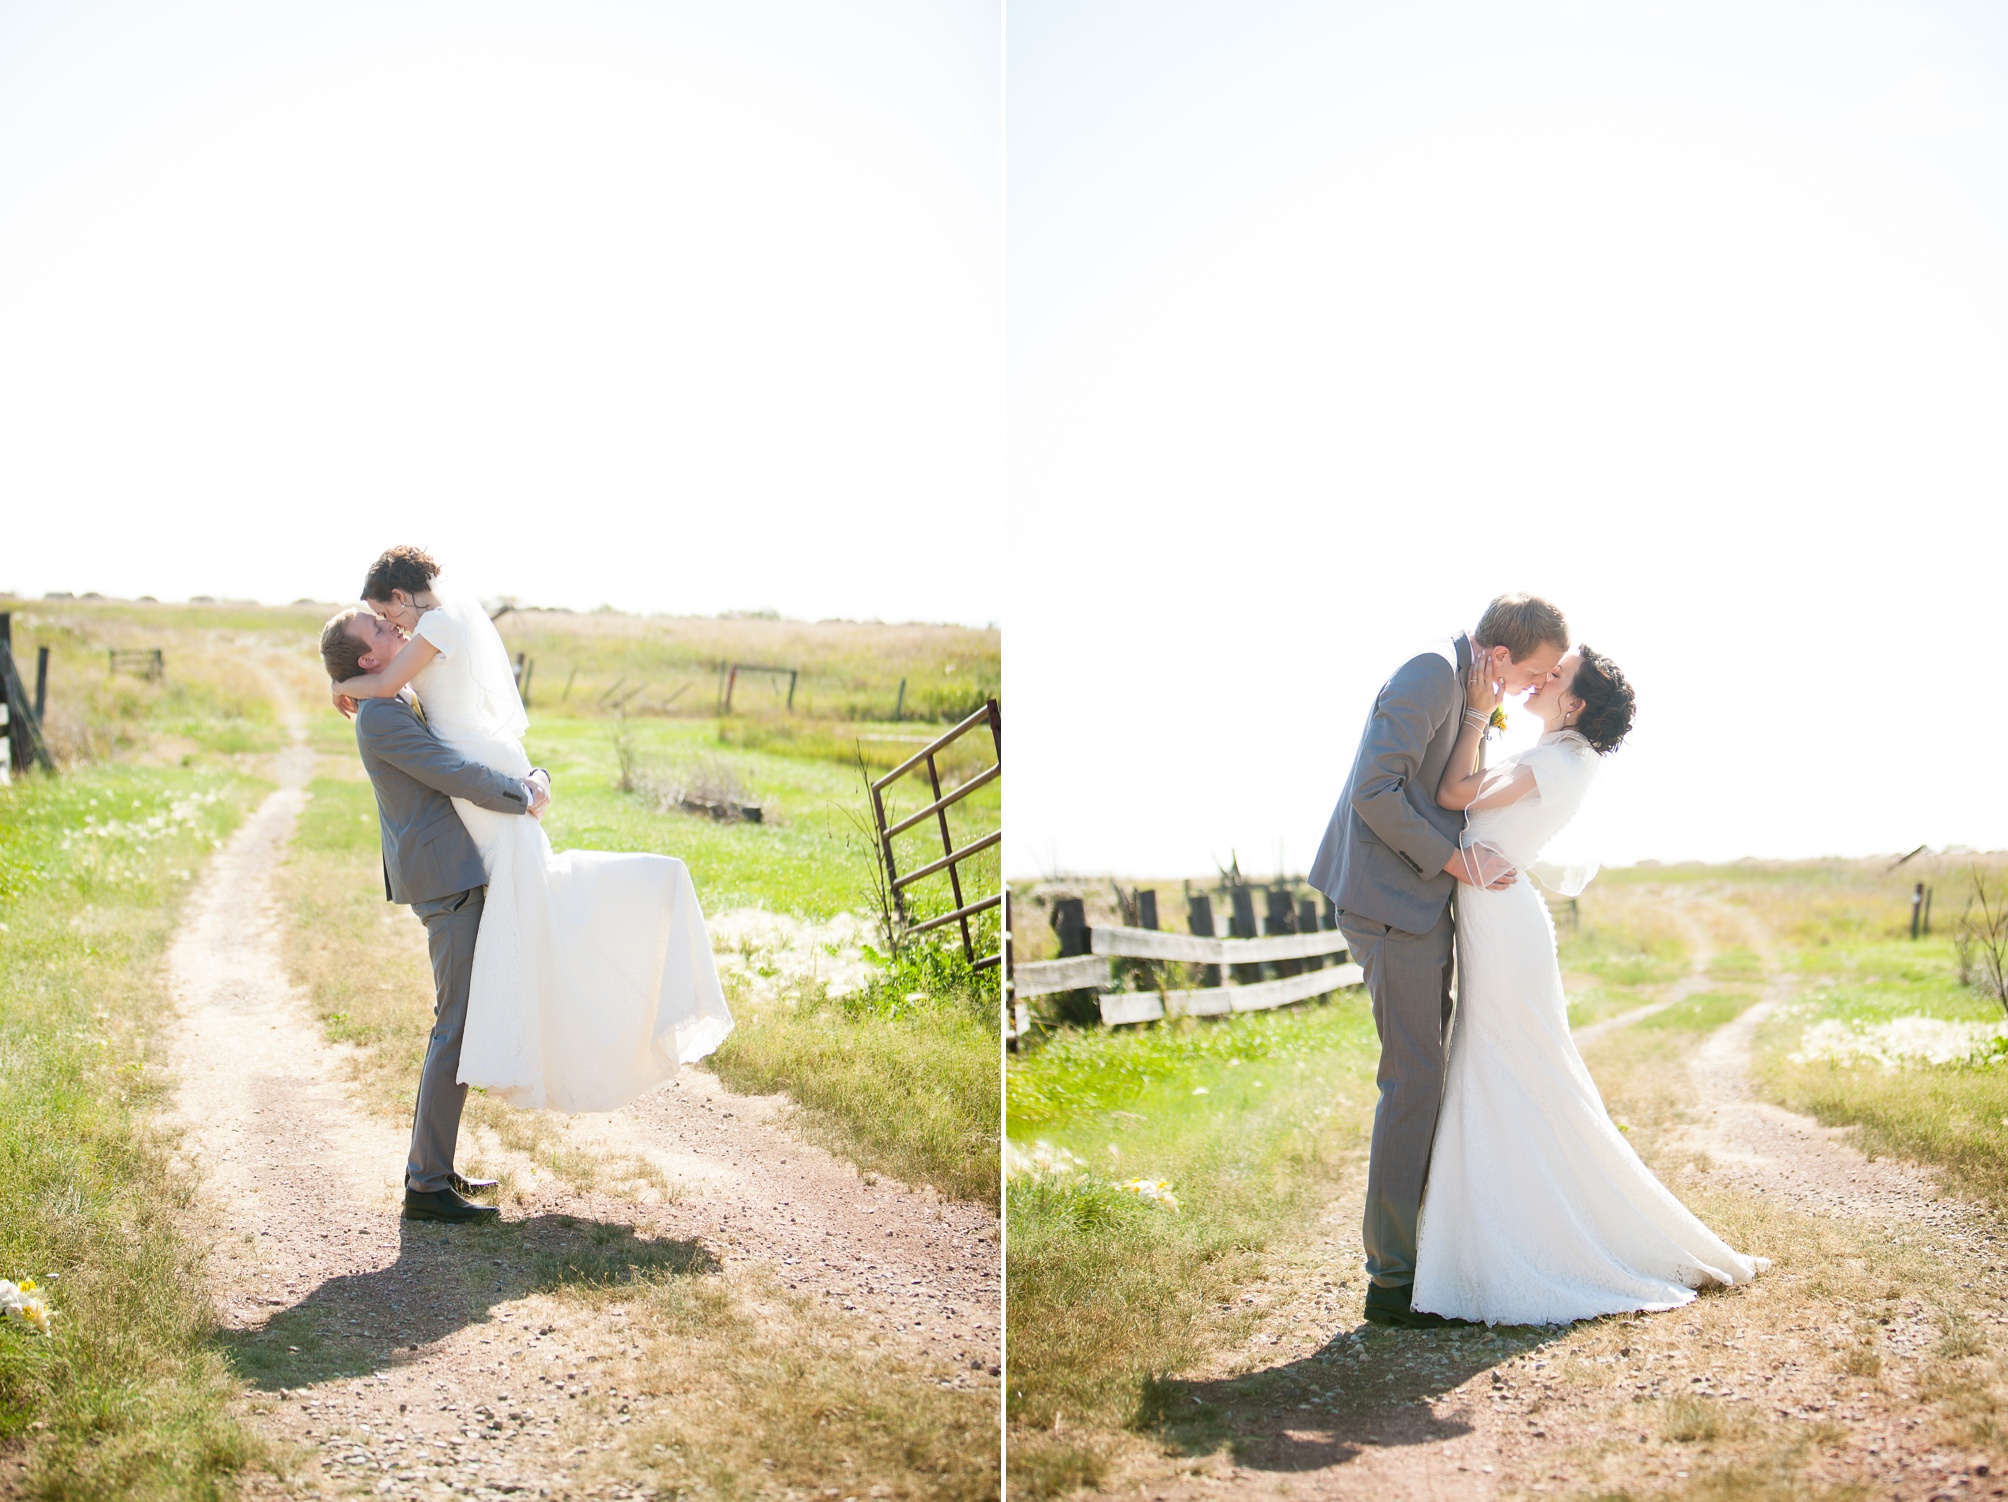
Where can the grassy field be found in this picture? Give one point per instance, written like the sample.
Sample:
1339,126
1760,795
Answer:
127,1397
1249,1122
899,1074
850,670
1261,1121
1856,967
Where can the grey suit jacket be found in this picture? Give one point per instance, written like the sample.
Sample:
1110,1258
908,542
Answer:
1384,850
427,851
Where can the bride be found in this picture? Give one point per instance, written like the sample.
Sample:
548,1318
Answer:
1537,1211
593,978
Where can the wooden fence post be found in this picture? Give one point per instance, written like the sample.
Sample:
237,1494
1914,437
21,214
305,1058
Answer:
1916,908
1282,919
1307,923
25,747
1242,926
1146,909
1069,920
1199,921
41,682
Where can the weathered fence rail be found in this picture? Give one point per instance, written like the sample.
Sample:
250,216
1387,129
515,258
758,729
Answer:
1094,971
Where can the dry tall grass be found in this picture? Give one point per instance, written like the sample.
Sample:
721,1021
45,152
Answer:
850,670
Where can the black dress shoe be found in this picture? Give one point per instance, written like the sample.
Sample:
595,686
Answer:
1391,1307
1415,1319
469,1187
444,1204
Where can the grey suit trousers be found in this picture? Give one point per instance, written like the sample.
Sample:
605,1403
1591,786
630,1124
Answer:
451,926
1409,978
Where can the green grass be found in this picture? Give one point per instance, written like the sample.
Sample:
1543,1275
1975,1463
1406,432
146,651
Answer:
807,858
1955,1116
904,1089
1702,1012
1107,1291
128,1398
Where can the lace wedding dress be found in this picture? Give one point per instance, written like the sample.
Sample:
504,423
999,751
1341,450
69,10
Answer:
1537,1211
593,978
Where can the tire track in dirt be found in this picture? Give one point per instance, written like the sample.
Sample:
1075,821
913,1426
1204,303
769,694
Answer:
1764,1149
1792,1162
1701,950
395,1377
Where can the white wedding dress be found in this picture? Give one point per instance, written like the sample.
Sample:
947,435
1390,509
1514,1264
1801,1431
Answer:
1537,1211
593,978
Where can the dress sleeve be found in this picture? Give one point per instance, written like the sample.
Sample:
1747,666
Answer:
441,629
1561,772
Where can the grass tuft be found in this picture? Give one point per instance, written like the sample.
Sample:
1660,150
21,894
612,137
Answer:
901,1081
1109,1292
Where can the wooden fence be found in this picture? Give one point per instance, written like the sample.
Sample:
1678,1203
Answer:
1286,953
141,662
728,680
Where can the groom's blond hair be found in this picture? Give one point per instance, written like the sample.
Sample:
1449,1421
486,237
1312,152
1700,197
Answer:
341,653
1522,624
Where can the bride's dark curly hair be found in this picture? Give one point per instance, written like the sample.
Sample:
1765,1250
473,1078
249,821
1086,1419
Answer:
404,567
1606,716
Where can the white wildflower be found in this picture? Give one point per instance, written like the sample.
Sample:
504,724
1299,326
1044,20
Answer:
775,953
1899,1042
23,1305
1041,1162
1154,1191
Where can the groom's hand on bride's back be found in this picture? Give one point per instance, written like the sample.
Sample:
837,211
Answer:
539,784
1482,865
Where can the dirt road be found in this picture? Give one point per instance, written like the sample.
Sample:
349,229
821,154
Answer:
1831,1370
420,1360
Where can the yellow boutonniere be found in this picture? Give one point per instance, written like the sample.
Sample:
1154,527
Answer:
1498,720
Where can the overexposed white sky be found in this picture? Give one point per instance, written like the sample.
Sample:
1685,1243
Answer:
681,308
1330,321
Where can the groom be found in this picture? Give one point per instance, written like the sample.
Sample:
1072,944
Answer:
1389,862
430,862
